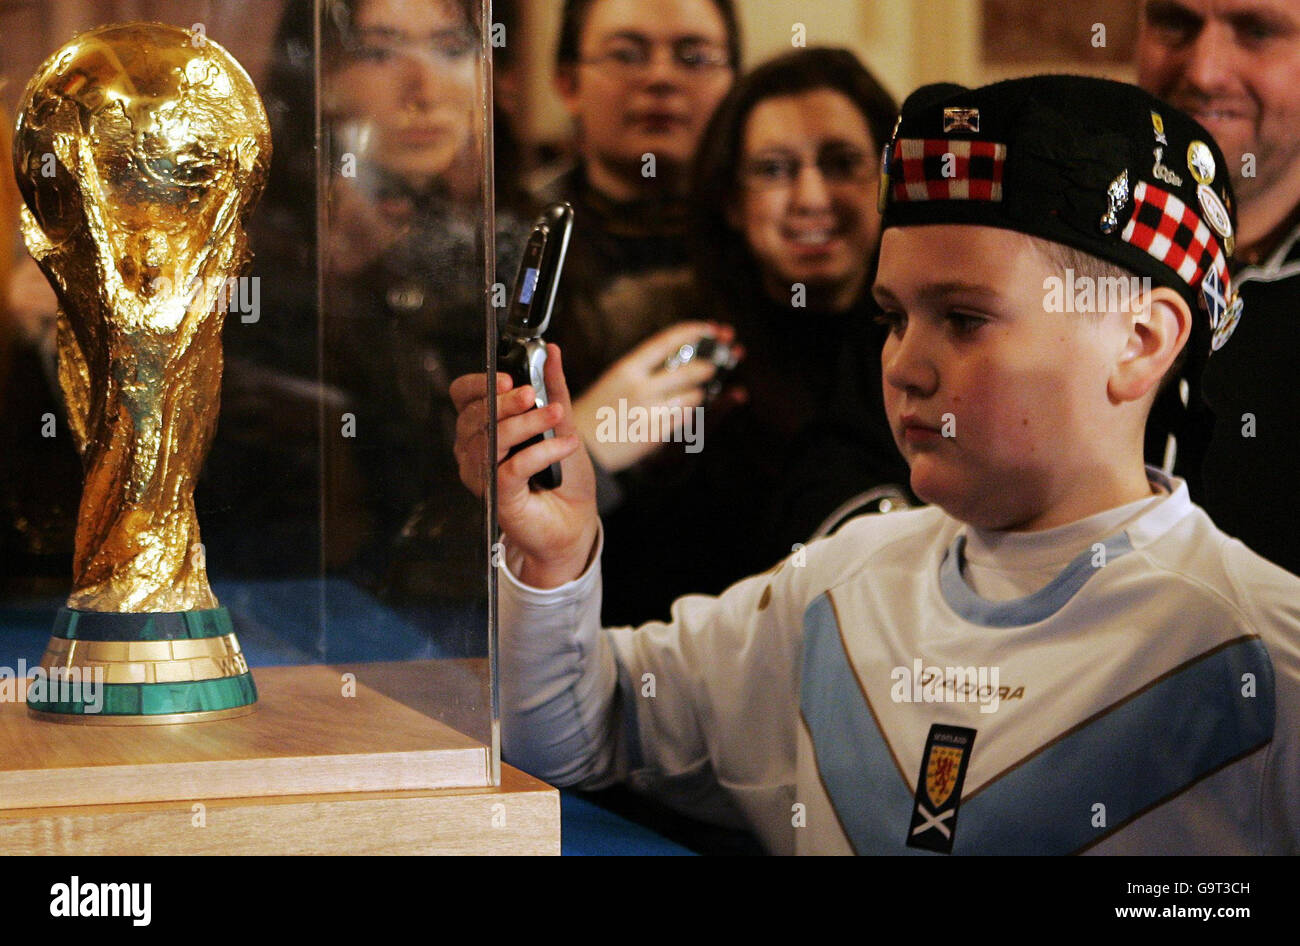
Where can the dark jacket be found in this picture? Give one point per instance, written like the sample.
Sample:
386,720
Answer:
1251,467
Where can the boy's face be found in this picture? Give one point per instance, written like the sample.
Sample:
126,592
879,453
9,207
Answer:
1000,407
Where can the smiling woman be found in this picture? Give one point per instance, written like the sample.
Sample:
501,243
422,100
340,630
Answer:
804,130
806,205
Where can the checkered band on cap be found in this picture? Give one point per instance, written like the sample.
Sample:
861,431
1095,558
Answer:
1174,234
947,169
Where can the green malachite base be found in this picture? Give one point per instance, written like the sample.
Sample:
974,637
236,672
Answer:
165,626
160,699
125,703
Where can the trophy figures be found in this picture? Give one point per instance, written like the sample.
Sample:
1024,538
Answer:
139,151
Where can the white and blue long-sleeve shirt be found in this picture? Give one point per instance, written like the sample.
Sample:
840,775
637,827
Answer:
1146,698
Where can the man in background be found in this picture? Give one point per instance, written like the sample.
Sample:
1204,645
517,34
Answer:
1234,66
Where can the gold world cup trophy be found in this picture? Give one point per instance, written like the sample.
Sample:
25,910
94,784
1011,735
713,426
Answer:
139,151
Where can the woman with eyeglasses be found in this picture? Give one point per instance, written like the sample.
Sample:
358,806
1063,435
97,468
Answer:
784,233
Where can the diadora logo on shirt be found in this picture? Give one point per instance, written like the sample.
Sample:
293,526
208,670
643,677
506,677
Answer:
928,684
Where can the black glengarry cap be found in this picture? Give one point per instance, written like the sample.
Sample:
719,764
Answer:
1097,165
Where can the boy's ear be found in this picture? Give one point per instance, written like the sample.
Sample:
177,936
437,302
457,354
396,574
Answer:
1156,334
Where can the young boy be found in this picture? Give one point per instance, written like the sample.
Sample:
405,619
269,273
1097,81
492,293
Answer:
1061,654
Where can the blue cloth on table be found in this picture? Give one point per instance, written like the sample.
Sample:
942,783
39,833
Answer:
587,830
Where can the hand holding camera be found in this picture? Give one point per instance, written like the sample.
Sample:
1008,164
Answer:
666,371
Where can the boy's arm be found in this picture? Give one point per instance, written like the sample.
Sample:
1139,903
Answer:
708,699
557,678
698,712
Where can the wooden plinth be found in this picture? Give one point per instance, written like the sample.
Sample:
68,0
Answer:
520,816
310,772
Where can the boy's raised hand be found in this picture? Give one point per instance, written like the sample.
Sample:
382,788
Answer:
553,530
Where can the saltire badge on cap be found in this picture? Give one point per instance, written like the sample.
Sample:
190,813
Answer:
1224,313
938,790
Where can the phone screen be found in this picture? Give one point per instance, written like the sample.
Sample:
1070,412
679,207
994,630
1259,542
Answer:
539,271
529,285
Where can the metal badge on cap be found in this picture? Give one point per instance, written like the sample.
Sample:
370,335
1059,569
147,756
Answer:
886,159
1200,161
1158,124
1228,325
961,119
1117,195
1162,172
1216,215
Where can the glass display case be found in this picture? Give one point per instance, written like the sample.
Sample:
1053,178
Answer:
334,528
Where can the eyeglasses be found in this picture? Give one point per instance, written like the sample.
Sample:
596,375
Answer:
633,56
838,165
